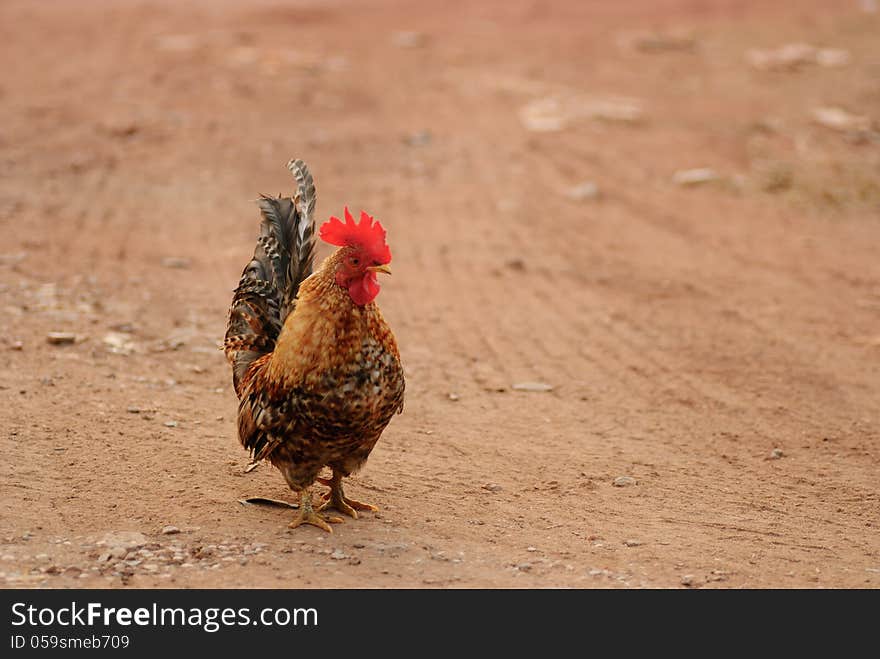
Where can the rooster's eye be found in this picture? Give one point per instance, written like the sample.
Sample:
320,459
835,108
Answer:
355,261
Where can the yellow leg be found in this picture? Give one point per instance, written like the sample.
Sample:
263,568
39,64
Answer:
307,514
336,498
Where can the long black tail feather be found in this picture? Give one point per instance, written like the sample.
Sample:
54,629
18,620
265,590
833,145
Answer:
283,258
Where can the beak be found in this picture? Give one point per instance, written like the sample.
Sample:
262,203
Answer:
380,268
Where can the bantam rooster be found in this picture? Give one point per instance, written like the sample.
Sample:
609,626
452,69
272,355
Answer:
314,364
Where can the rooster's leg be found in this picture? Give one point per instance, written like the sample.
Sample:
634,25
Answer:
308,515
336,498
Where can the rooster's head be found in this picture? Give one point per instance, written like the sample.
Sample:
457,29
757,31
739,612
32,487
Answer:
364,253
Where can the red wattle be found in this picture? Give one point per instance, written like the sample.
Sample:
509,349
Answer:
364,289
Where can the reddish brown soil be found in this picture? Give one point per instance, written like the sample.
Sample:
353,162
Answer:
687,331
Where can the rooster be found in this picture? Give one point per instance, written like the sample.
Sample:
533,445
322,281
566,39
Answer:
314,364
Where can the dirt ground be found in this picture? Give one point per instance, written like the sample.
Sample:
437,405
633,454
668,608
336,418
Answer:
713,348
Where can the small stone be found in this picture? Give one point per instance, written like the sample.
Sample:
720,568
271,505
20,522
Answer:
104,557
633,543
170,530
176,262
171,424
338,555
532,386
623,481
776,454
408,39
133,409
453,396
583,191
127,328
16,345
688,580
523,567
789,57
61,338
651,42
420,138
692,177
127,539
832,57
839,119
118,343
176,43
118,552
492,487
543,116
531,549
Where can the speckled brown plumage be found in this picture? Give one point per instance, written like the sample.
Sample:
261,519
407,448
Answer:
320,390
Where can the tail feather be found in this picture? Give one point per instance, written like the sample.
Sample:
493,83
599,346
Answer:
283,258
303,252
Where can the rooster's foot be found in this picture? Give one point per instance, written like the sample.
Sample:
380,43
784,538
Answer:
336,498
307,515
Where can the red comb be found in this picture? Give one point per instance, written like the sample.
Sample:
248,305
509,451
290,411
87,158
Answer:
365,235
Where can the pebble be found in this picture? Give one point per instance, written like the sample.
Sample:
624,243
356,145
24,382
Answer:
408,39
127,539
652,42
453,396
176,43
792,56
133,409
177,262
839,119
492,487
61,338
171,424
531,549
543,115
523,567
118,552
532,386
338,555
691,177
170,530
583,191
419,138
775,454
633,543
16,345
623,481
688,580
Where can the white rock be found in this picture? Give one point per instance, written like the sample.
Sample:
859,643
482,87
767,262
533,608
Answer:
544,115
624,481
61,338
690,177
839,119
583,191
119,344
532,386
